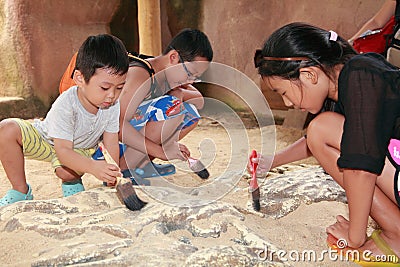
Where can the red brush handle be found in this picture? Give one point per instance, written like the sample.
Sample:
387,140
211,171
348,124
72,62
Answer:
254,165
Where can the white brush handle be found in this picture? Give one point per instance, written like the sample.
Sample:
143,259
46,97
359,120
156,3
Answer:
109,159
106,154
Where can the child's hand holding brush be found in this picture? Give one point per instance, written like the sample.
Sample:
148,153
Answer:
263,163
107,172
125,192
197,166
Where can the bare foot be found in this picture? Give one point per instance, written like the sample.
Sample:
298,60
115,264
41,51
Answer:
340,228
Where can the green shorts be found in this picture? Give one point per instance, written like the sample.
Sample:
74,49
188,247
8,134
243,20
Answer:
34,146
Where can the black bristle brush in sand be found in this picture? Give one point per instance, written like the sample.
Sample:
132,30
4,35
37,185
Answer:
125,191
197,167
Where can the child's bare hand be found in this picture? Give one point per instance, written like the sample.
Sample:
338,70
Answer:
184,150
264,164
106,172
175,150
177,92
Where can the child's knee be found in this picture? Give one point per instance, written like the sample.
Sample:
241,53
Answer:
66,174
319,124
9,129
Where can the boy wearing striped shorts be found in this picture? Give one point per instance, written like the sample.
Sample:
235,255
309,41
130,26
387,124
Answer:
76,122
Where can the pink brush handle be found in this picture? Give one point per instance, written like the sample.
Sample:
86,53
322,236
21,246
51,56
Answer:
253,182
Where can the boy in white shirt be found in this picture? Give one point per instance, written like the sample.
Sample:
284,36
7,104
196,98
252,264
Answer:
76,122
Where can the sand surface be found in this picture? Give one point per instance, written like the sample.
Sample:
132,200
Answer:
302,229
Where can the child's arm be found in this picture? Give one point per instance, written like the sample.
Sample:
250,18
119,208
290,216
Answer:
71,159
111,143
378,20
296,151
135,90
190,94
359,186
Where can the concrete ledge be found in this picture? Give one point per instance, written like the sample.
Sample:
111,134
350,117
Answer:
18,107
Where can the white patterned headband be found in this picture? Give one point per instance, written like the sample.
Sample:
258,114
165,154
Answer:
333,36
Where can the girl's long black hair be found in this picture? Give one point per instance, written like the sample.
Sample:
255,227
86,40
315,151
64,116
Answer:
297,45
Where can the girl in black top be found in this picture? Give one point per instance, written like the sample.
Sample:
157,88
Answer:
307,65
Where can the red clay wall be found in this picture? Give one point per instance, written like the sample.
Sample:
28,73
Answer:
237,28
38,37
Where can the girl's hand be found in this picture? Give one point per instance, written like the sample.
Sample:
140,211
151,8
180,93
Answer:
106,172
264,164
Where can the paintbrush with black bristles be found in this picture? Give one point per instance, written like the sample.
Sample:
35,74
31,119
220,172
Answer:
197,167
253,188
125,191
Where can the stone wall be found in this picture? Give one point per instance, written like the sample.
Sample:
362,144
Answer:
238,28
37,38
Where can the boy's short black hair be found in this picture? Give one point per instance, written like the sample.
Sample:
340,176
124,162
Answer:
102,51
191,43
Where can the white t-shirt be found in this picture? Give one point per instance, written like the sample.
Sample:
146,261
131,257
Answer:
69,120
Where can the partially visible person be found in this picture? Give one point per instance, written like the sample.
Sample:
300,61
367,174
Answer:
67,80
77,121
158,111
384,14
358,144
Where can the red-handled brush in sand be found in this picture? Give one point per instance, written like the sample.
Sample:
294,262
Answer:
253,188
125,191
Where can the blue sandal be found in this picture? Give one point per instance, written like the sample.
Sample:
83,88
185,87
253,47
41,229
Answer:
132,175
152,169
13,196
72,188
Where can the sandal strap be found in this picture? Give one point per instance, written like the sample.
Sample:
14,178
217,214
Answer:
152,169
381,243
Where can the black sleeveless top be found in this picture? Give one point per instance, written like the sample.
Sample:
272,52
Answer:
369,99
140,60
